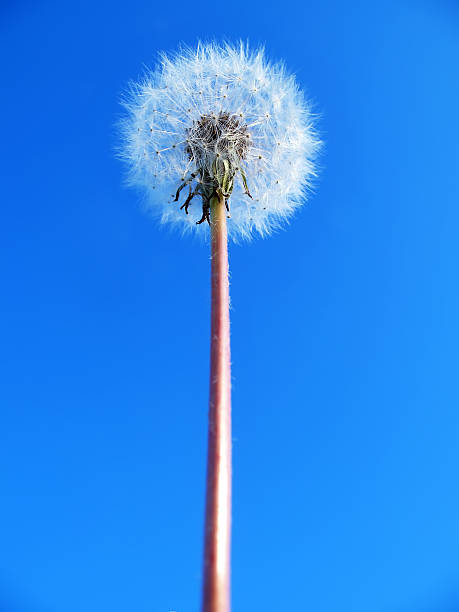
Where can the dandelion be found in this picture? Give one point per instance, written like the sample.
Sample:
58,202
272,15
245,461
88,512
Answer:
219,138
220,119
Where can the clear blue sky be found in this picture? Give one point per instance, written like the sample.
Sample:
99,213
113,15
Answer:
344,327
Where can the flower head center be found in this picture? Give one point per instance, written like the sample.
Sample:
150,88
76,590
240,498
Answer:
223,135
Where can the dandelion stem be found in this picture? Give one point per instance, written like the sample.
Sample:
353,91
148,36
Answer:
217,542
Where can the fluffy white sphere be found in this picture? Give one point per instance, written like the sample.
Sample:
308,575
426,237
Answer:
191,113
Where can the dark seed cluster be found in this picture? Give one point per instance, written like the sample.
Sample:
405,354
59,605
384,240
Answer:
223,134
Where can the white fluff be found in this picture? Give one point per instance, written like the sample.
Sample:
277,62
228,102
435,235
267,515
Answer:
211,80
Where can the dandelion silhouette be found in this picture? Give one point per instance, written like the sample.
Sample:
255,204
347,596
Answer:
233,137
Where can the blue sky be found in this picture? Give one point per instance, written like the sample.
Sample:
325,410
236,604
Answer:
344,327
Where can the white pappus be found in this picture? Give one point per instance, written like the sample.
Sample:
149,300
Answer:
220,119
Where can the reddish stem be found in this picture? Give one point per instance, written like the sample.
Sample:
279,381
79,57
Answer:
217,544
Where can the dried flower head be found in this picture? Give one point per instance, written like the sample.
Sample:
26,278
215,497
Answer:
220,120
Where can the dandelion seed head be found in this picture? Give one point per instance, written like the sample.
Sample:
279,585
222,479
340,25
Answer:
220,118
